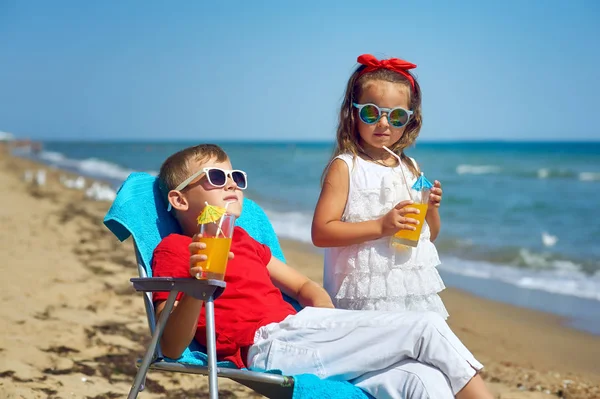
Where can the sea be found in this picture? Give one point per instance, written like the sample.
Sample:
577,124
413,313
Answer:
520,220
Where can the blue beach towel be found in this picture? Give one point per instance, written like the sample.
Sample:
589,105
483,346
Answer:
140,211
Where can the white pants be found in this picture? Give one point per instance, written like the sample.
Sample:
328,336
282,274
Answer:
388,354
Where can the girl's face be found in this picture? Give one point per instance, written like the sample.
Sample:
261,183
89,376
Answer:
385,95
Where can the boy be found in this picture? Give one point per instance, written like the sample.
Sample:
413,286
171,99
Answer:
385,353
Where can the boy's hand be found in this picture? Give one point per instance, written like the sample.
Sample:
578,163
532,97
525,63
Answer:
196,255
395,220
435,197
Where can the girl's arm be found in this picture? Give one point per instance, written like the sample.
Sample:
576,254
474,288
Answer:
327,228
329,231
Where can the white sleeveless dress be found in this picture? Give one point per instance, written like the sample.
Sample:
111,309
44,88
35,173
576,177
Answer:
373,275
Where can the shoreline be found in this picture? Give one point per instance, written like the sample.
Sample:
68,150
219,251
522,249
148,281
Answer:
74,325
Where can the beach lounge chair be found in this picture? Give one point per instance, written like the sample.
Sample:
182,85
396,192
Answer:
140,212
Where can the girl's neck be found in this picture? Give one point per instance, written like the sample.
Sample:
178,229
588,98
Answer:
377,155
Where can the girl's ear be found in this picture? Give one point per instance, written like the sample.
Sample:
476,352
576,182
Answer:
177,200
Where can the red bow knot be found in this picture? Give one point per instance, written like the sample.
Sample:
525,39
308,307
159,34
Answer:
393,64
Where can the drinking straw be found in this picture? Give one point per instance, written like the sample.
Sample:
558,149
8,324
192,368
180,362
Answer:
221,222
401,169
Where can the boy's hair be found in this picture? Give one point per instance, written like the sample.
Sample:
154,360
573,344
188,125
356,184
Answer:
176,168
347,137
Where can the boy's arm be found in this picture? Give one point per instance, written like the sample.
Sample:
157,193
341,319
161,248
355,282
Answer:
181,326
174,260
298,286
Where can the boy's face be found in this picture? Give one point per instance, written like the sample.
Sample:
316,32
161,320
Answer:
200,191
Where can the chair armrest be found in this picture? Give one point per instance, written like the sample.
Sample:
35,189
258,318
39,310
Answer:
199,289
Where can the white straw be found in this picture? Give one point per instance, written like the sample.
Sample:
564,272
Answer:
221,222
401,168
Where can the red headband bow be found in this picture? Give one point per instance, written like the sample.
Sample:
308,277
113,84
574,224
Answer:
393,64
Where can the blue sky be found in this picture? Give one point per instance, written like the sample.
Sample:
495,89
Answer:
157,70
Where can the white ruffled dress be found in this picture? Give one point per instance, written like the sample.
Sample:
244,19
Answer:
373,275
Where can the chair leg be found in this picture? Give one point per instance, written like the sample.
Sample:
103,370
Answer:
140,377
211,349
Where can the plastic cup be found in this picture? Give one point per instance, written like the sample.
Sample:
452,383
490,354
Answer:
411,237
217,237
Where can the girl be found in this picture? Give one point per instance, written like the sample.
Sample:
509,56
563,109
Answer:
364,198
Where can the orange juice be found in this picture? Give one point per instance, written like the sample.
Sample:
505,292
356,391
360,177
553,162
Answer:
217,251
410,237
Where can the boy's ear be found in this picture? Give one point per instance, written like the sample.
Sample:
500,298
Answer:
178,200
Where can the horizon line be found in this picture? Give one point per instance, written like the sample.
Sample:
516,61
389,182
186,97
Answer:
305,141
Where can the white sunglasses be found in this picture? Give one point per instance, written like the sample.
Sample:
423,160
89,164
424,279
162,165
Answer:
216,177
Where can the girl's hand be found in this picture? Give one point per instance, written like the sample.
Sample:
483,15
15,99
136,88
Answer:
435,197
395,220
196,255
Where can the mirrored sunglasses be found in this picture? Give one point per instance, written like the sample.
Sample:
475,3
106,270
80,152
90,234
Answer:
371,113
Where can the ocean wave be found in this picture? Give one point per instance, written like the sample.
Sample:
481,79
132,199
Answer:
100,192
589,176
102,168
548,239
51,156
541,173
565,280
547,173
517,257
477,169
90,167
291,225
536,260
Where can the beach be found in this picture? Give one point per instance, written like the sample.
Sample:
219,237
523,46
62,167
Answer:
73,326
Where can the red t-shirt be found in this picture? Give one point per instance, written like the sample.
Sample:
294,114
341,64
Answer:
249,301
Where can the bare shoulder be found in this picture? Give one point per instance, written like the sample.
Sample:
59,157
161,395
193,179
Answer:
334,193
337,172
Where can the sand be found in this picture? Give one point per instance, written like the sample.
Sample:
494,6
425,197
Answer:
73,326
